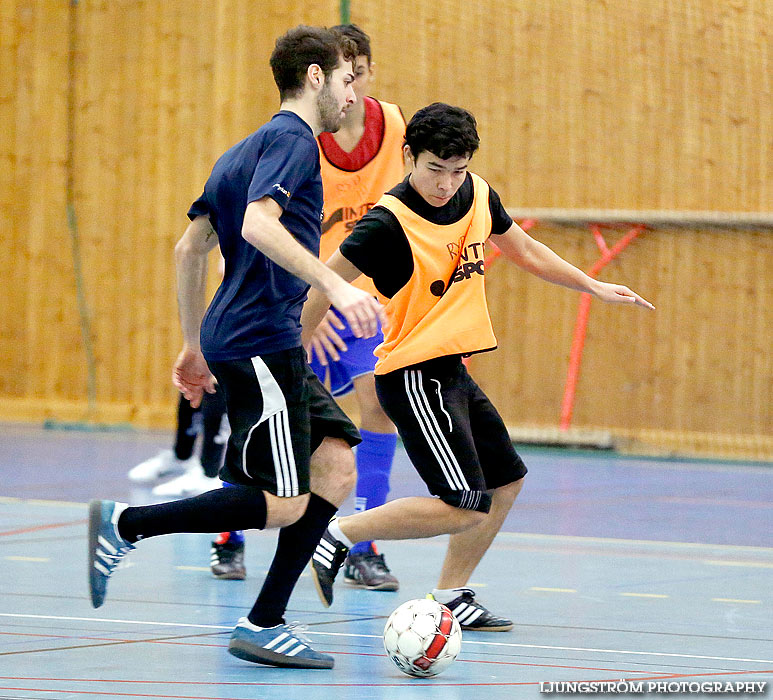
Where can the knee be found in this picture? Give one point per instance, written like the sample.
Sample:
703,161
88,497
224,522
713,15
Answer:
465,519
282,512
508,493
373,418
334,465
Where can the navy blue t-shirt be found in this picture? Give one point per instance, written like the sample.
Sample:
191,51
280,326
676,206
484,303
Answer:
257,307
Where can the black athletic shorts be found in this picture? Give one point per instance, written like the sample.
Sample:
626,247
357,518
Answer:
451,431
279,414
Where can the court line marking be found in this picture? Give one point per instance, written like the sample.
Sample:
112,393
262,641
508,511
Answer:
36,559
393,684
504,535
553,590
620,541
645,595
750,564
735,600
378,636
49,526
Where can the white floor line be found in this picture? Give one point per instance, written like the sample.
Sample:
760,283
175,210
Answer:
378,636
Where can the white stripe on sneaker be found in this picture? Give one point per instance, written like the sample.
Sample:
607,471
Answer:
321,559
276,640
289,644
474,616
106,545
99,567
327,545
297,650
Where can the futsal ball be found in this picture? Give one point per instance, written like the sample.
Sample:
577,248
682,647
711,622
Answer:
422,637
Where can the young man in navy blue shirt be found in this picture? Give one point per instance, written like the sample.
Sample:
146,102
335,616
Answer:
289,456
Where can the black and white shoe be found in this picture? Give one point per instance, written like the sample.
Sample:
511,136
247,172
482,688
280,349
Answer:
471,615
326,561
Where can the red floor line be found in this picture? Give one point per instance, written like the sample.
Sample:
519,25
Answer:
433,682
37,528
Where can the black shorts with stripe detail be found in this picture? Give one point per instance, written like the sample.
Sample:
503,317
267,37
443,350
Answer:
454,436
279,413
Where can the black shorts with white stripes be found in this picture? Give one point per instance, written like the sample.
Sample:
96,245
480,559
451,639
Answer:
454,436
279,413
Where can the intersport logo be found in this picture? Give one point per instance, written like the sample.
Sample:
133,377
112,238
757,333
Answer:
470,263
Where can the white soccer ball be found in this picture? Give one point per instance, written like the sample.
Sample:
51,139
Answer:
422,638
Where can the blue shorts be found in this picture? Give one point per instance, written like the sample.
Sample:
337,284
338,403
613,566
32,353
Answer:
356,361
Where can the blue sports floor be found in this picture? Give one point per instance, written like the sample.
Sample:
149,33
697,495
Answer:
613,568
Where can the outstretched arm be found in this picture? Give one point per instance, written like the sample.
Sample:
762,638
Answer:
191,374
263,229
537,258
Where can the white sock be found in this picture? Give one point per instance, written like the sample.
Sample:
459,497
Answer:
117,510
335,530
446,595
244,622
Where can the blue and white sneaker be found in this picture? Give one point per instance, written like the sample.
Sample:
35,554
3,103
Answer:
282,645
106,546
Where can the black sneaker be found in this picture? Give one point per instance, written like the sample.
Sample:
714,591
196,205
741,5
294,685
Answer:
369,570
325,564
471,615
227,561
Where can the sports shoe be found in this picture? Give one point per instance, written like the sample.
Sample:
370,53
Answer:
192,483
106,546
165,463
471,615
227,561
282,645
369,570
326,561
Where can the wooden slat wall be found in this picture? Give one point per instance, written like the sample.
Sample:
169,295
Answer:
646,105
702,363
650,104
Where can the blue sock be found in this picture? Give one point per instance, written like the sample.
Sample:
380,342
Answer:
237,536
374,464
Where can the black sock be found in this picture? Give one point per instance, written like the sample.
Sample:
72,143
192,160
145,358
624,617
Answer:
293,550
237,508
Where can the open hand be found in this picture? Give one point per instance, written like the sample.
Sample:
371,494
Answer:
618,294
325,342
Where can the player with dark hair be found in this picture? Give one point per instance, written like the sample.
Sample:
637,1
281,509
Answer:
422,245
359,162
289,455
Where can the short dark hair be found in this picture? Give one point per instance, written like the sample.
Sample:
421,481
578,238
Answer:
443,130
359,37
303,46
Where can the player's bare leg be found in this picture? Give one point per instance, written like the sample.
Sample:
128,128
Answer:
466,549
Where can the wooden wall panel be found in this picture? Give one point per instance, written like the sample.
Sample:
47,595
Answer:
580,103
38,282
700,363
590,103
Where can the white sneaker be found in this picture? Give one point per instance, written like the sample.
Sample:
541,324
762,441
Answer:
192,483
165,463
